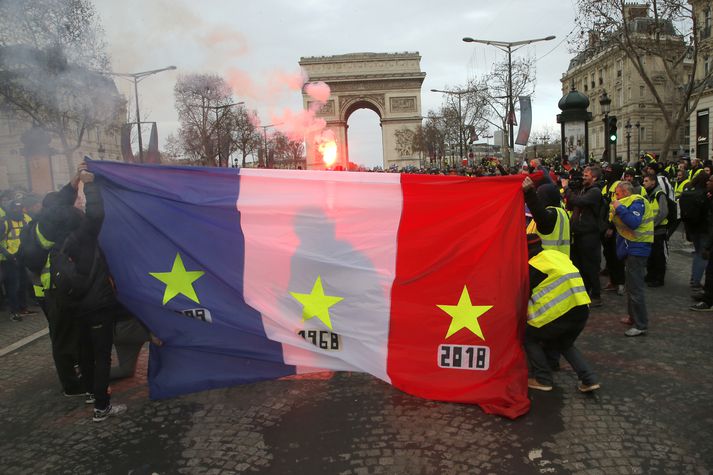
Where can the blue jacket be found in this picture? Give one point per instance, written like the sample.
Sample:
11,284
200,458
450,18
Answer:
631,216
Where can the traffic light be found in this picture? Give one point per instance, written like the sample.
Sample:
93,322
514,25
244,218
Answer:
612,129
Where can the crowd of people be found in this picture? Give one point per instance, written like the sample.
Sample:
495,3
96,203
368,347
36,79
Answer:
625,215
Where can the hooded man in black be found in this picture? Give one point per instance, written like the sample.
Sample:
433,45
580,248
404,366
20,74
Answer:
82,286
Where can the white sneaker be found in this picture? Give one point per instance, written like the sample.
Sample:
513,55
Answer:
633,331
100,415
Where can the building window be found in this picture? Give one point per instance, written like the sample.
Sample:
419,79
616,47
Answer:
706,64
687,133
707,24
601,77
619,68
641,91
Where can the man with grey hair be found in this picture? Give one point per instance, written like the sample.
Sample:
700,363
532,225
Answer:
633,217
586,228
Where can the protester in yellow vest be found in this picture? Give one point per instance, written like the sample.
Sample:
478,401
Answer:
656,267
681,181
633,218
614,266
549,220
14,275
557,313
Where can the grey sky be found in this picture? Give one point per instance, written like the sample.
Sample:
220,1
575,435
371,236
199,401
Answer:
262,41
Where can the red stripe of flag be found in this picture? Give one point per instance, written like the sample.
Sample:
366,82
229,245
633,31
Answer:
455,234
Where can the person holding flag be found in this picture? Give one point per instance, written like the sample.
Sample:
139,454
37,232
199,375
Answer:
550,220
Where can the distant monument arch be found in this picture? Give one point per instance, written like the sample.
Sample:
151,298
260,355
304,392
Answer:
387,83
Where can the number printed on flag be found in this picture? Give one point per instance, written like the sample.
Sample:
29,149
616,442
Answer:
464,357
202,314
323,339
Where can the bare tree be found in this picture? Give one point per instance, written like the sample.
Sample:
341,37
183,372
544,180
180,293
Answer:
488,104
429,139
206,116
246,138
48,49
653,38
285,153
485,105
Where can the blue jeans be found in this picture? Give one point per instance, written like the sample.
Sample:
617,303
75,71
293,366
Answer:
635,299
698,267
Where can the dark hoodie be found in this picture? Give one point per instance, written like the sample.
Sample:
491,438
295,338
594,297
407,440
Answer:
538,201
77,234
82,247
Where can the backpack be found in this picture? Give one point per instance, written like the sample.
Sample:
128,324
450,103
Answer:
31,254
693,204
670,194
69,285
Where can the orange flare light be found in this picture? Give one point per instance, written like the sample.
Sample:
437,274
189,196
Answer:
329,152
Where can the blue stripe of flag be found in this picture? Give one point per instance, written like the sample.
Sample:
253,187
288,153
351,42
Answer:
153,213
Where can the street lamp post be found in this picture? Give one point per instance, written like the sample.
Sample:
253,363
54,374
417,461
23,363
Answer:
627,126
458,93
264,134
605,102
508,46
136,77
638,139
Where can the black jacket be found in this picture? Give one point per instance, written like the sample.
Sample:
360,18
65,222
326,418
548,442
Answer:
82,247
545,218
585,207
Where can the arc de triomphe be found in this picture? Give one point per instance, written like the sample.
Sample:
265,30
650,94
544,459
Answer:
387,83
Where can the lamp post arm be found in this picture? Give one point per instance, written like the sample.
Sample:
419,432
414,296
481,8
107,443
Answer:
138,121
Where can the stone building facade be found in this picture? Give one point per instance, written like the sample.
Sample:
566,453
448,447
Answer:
601,67
31,158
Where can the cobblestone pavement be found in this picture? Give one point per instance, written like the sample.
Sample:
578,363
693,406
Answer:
654,414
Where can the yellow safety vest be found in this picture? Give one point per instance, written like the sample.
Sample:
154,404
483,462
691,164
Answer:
562,290
655,207
558,239
645,231
11,242
678,188
612,190
44,283
609,189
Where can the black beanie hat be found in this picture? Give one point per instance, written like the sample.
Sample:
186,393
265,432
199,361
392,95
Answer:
548,195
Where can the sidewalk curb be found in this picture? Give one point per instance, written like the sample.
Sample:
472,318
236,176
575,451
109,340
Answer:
24,341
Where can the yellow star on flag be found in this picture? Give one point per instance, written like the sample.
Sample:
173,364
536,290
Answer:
465,315
178,281
316,304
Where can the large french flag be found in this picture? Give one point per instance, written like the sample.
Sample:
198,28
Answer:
249,275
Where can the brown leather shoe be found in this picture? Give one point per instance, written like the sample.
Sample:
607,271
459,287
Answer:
532,383
627,321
